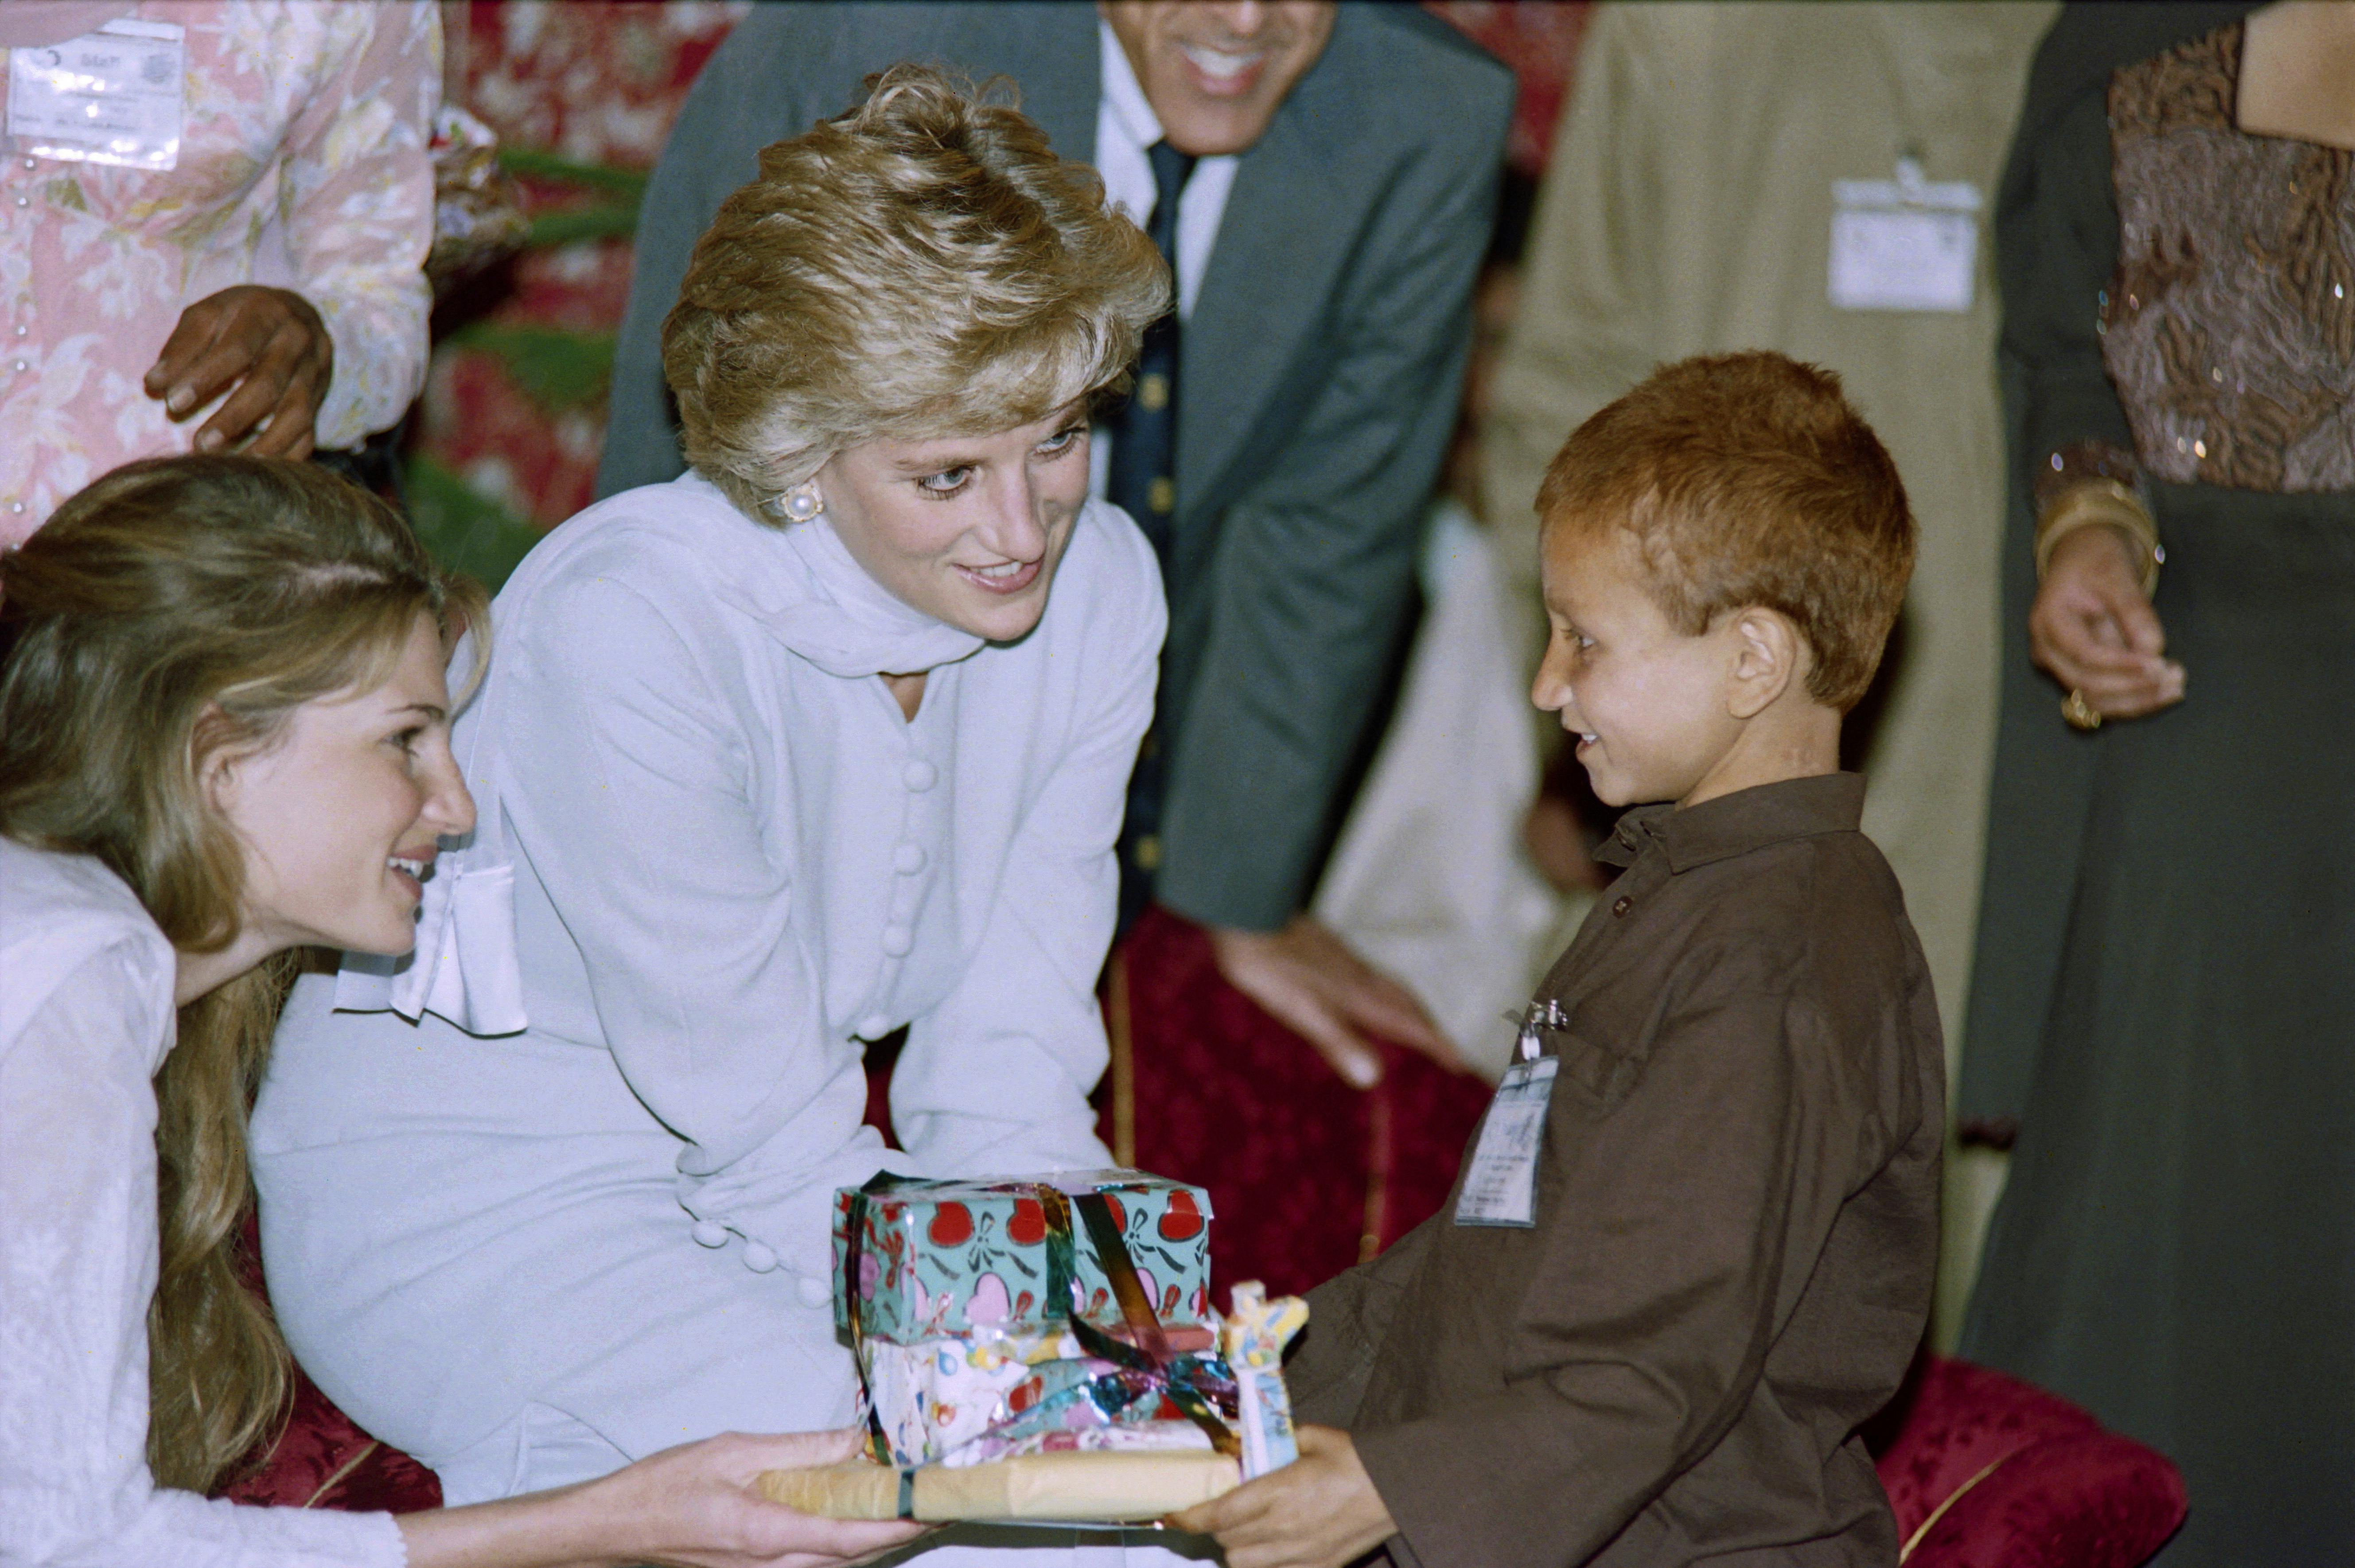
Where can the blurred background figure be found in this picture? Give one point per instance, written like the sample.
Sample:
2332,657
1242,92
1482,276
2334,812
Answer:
2164,996
1810,178
236,260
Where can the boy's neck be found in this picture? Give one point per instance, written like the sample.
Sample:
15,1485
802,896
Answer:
1791,740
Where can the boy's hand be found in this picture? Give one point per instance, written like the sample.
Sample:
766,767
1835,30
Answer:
1319,1511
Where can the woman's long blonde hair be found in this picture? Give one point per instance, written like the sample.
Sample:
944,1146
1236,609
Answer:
175,609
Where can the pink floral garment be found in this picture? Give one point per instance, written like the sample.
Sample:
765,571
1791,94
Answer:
303,164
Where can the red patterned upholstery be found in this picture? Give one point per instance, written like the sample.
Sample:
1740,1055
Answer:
1306,1174
1985,1471
321,1459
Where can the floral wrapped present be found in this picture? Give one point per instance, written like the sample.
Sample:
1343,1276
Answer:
921,1261
934,1400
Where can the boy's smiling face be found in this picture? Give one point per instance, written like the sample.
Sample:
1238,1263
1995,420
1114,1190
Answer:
1646,702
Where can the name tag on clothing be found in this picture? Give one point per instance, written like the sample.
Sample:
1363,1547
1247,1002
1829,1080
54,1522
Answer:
114,96
1500,1187
1904,244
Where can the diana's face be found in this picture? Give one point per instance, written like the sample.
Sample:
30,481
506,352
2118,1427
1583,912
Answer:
1216,74
1645,703
341,815
968,530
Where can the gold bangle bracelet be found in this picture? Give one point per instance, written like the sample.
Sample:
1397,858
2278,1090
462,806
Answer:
2104,501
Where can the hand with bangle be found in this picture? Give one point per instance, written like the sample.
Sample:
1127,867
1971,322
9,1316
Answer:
2097,558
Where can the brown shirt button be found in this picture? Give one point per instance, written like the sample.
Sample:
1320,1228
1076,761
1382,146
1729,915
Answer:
1622,904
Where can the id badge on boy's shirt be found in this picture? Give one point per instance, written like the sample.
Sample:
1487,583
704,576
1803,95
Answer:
1500,1185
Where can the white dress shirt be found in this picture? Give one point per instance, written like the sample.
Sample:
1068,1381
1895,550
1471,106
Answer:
733,859
86,1018
1126,127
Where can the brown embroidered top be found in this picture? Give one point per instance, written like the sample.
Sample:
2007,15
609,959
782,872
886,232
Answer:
2229,330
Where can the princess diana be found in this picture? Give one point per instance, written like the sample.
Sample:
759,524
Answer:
826,738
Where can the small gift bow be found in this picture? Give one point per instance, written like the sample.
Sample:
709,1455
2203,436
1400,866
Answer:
1253,1338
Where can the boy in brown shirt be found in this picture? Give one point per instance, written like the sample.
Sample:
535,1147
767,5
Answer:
1692,1245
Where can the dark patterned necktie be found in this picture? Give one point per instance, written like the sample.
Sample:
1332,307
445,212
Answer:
1142,482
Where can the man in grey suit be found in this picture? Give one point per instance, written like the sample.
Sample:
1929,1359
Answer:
1330,174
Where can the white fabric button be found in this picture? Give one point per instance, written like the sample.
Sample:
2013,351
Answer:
16,505
710,1233
20,365
813,1291
897,940
874,1026
759,1258
907,858
29,164
920,774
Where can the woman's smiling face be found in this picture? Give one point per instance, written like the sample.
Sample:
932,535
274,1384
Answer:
341,815
968,530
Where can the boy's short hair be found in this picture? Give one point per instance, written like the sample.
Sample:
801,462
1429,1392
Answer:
1747,479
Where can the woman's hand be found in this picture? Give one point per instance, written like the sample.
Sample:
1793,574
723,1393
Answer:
2093,630
1319,1511
689,1507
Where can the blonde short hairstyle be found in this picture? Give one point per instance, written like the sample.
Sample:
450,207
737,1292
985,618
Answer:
923,266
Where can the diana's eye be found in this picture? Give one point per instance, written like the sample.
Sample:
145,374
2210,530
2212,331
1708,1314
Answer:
1061,442
407,739
947,482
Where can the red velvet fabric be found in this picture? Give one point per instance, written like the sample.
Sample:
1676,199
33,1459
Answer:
322,1459
1305,1174
2040,1484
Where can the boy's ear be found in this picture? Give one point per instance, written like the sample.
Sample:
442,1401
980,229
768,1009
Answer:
1769,654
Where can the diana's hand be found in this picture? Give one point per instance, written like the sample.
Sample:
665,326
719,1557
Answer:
2093,630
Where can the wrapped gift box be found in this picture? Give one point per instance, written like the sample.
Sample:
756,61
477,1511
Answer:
936,1260
1100,1486
931,1400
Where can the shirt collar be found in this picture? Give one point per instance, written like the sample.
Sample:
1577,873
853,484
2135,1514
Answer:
1123,91
1736,824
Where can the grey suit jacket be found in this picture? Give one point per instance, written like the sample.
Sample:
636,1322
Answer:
1321,372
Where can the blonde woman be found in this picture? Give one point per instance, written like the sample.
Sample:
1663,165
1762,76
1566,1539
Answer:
826,738
224,734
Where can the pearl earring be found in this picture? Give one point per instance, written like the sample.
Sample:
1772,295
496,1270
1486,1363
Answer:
801,503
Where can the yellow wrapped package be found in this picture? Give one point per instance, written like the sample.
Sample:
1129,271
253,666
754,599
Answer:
1101,1487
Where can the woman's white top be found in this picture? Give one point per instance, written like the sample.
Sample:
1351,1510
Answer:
86,1018
744,859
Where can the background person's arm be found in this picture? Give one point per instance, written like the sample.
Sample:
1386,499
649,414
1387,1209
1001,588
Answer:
342,353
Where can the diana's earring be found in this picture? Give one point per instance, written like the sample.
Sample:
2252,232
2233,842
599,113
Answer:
801,503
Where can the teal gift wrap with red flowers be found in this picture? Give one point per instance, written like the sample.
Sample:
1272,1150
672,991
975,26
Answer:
915,1261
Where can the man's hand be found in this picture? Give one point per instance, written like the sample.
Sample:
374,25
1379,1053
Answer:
1319,1511
1308,980
2093,630
268,350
